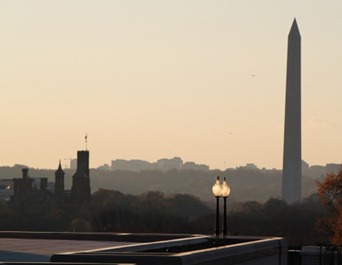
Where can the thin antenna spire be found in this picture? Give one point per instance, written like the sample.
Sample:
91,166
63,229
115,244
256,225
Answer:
86,141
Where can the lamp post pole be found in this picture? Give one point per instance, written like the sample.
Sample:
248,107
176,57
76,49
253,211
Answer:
225,194
217,192
217,226
224,229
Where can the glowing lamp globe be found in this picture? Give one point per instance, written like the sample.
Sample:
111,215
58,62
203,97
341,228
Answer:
217,188
225,189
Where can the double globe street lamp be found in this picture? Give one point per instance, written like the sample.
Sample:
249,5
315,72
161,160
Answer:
221,190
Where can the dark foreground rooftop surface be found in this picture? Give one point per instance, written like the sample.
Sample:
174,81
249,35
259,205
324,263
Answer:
40,246
19,249
141,249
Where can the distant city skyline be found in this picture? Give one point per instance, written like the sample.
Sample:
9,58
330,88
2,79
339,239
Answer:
202,80
107,165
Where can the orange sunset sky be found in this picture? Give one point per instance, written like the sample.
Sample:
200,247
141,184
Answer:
202,80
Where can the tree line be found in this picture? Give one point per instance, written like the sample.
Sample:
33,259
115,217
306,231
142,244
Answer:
113,211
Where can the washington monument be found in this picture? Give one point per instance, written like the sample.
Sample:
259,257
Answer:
292,171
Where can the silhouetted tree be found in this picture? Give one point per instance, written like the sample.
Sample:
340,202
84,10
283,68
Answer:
330,192
275,218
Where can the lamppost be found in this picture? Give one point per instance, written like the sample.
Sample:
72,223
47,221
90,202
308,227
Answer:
225,194
217,192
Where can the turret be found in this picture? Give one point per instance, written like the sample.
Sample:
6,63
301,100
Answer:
59,181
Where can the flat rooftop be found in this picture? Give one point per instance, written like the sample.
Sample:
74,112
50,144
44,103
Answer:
127,248
19,249
40,246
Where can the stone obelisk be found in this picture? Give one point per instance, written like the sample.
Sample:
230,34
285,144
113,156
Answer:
292,171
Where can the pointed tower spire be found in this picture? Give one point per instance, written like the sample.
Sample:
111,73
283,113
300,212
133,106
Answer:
292,160
59,182
294,31
59,169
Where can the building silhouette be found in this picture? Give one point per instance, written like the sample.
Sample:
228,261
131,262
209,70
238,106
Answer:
25,190
80,191
28,190
22,187
59,183
163,164
292,168
73,163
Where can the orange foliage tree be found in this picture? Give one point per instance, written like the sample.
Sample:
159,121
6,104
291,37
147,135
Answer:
330,193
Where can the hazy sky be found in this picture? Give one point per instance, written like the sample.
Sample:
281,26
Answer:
147,79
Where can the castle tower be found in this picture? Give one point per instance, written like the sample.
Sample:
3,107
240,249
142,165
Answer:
292,172
80,190
83,161
22,186
59,181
